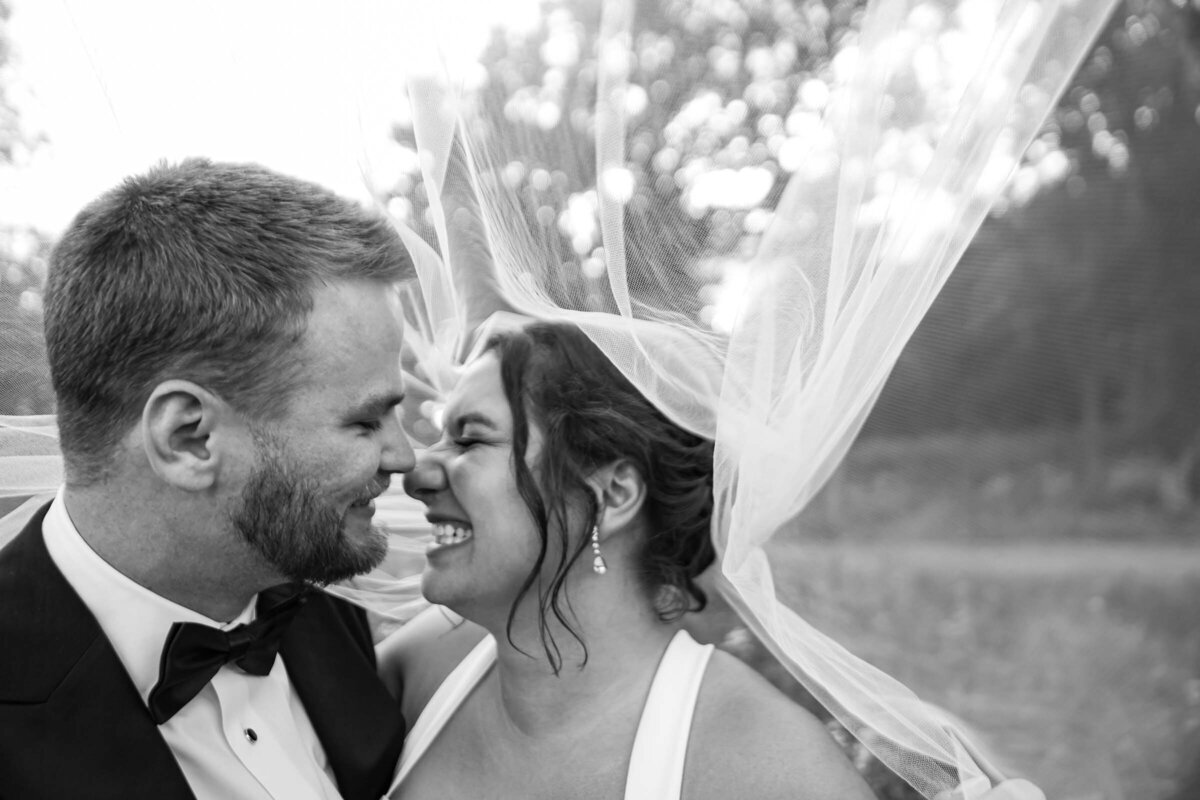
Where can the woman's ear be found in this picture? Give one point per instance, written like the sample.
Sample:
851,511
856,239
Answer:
620,495
178,423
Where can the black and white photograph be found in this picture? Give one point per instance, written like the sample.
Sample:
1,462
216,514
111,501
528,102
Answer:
573,399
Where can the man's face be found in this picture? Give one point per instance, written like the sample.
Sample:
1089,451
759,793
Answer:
306,506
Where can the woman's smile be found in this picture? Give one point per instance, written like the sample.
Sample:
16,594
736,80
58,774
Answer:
449,534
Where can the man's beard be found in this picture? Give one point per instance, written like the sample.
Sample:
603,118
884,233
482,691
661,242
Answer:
288,520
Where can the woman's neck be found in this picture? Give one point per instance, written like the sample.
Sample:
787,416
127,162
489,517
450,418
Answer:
624,642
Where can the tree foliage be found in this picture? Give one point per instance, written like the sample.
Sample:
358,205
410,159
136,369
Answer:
1075,306
1081,307
24,382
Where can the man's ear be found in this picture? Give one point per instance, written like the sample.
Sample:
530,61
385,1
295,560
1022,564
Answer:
620,493
178,425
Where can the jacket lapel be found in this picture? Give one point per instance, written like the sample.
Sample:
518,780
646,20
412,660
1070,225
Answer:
71,721
331,662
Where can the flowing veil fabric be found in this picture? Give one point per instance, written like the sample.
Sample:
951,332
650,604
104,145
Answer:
759,294
878,185
31,466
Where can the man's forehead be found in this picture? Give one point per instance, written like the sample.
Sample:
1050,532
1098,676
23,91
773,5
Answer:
351,346
349,313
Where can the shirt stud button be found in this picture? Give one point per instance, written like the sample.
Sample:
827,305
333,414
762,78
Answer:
251,736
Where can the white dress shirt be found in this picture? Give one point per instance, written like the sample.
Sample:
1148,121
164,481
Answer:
243,736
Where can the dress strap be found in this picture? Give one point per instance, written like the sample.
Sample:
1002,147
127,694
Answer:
660,747
442,705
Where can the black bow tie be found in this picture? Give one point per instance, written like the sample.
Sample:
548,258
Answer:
194,653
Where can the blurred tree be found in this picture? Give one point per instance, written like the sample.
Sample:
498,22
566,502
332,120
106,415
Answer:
711,88
1084,304
1075,306
24,378
1128,222
10,131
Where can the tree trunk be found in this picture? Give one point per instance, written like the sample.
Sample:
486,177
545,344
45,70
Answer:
1091,431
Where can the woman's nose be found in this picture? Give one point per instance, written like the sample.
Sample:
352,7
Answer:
397,452
426,478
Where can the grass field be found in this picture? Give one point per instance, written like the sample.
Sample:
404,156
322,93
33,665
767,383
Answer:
1080,663
1066,632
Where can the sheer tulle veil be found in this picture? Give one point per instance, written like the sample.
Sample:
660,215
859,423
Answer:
819,244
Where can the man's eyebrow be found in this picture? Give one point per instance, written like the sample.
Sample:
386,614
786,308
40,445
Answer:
377,406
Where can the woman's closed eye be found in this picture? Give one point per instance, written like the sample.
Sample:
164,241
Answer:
466,441
449,442
469,439
470,430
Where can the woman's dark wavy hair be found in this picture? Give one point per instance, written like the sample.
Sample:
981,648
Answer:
590,415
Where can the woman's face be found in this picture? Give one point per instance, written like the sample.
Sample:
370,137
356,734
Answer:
485,540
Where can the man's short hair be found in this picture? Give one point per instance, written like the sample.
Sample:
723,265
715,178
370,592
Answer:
201,271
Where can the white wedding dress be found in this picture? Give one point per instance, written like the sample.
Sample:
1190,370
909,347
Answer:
659,749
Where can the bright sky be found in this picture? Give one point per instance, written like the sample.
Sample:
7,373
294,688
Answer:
303,86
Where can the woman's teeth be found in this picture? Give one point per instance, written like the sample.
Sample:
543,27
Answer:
446,533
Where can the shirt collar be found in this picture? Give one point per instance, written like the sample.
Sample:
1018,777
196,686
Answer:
135,619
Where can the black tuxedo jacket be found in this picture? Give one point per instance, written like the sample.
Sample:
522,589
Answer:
72,724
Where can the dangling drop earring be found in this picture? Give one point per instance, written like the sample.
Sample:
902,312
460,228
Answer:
598,565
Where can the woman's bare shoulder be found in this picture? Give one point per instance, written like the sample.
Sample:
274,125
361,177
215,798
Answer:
748,739
415,659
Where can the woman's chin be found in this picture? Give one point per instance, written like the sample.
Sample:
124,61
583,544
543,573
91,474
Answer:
441,587
467,595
